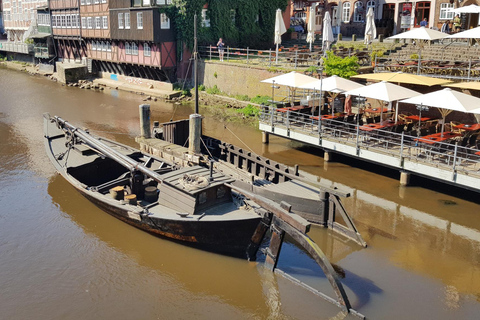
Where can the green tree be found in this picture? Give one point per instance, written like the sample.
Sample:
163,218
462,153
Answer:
342,67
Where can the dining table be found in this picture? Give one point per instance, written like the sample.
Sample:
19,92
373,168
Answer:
468,127
417,118
437,137
378,125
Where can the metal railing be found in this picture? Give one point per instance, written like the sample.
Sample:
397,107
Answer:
294,57
454,155
16,47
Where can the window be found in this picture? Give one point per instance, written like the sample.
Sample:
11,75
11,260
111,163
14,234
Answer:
164,21
82,2
146,2
94,45
109,46
96,1
127,20
232,15
84,22
358,12
54,20
346,12
69,21
128,49
89,2
120,21
104,46
64,21
105,22
104,1
370,4
446,11
205,19
134,49
73,18
147,52
89,22
98,23
139,20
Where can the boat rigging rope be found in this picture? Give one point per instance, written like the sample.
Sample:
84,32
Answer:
238,138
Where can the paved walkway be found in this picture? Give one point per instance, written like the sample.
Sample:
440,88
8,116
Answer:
165,94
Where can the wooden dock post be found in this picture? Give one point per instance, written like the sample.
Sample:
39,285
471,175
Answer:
145,121
404,178
195,133
265,137
327,156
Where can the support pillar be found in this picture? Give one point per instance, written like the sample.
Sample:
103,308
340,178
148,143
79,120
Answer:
404,178
328,156
145,120
265,137
195,133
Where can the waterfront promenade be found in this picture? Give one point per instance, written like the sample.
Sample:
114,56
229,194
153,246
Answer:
449,159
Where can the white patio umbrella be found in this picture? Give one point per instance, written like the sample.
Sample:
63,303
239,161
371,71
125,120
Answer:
334,84
370,29
467,9
447,100
384,91
421,33
467,34
279,30
327,34
311,26
292,80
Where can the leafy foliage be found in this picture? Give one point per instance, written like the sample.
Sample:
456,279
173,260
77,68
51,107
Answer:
342,67
260,99
253,24
249,111
213,90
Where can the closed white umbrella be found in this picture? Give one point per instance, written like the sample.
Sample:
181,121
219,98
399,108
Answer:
327,34
370,29
279,30
339,17
311,26
447,100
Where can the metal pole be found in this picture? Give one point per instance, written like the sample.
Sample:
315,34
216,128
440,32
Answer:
247,55
469,68
419,61
276,55
195,53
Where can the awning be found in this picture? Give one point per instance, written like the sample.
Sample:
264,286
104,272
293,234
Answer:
40,35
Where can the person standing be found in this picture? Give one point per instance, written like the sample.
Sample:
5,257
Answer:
424,23
221,48
457,22
446,27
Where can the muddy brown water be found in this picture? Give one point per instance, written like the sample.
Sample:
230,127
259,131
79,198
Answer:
63,258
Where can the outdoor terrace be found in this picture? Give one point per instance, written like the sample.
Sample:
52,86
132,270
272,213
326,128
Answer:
453,158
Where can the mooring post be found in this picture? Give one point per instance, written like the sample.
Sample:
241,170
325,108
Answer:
145,121
195,133
327,156
404,178
265,137
324,198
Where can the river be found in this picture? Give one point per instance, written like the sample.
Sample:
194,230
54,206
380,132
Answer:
63,258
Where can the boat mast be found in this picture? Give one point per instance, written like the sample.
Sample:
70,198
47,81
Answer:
195,127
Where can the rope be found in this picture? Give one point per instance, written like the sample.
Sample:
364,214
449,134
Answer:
206,148
238,138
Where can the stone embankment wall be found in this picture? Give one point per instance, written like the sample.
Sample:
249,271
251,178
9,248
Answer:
235,79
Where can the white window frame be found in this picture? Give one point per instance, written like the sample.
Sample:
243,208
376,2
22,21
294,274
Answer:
82,2
139,20
128,49
164,21
127,20
89,23
96,1
370,4
358,12
205,20
134,49
94,45
346,12
105,22
88,2
109,46
84,22
446,11
104,1
147,51
98,23
68,21
120,21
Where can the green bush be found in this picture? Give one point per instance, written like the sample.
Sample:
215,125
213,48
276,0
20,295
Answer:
242,97
249,111
414,56
260,99
201,87
342,67
213,90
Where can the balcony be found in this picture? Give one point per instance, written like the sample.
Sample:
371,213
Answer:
16,47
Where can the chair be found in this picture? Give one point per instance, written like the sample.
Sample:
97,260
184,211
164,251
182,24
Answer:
453,127
423,132
376,119
409,126
432,130
369,120
350,118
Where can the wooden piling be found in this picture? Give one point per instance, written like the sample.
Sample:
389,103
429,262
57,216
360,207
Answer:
404,178
145,121
195,133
